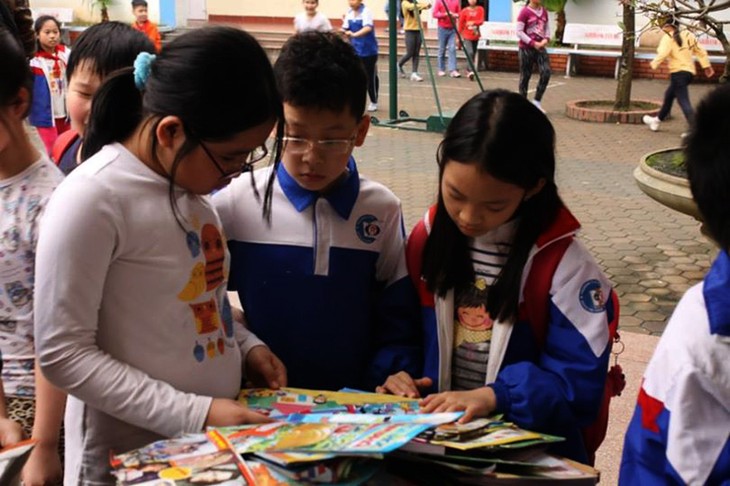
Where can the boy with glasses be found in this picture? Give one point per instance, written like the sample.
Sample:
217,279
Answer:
325,284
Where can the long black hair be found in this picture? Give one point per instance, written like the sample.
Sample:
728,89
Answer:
510,139
217,80
16,73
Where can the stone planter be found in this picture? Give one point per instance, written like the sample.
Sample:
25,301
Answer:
669,190
601,111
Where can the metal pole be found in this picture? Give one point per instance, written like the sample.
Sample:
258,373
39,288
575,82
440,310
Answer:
393,58
469,59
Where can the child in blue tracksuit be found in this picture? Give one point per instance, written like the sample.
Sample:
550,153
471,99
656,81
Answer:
680,431
498,212
359,27
325,285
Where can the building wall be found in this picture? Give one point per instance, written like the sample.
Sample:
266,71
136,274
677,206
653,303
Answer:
121,10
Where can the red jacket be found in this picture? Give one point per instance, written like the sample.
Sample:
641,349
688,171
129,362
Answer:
150,30
474,15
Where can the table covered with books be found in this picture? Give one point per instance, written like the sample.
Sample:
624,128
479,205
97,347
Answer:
350,437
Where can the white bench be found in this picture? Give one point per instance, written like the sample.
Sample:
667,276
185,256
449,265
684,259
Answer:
63,15
592,35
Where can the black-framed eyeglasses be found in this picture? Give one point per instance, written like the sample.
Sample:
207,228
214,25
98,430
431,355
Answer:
248,159
299,146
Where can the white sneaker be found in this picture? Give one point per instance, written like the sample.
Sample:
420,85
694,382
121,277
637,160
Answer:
455,74
372,107
538,105
416,77
652,121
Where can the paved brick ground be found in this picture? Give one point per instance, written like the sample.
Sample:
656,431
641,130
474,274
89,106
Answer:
651,254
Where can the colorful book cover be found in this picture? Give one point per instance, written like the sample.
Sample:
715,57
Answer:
432,419
498,437
286,401
322,437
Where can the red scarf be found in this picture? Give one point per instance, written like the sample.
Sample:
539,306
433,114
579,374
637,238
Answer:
56,60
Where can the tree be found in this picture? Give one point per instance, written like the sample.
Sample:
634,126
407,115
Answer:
626,68
696,15
103,7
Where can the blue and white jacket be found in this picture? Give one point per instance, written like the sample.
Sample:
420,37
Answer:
41,111
354,21
680,431
325,286
556,388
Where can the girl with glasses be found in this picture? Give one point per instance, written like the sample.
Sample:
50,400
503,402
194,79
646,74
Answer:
132,262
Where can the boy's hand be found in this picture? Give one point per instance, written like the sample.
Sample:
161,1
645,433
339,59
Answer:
264,368
43,466
10,432
402,384
479,402
224,412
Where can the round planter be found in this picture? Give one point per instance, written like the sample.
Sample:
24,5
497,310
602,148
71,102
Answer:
595,111
669,190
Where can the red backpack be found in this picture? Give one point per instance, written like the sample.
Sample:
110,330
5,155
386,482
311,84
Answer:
535,309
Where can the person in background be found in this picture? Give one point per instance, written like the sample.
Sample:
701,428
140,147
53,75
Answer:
359,27
680,430
143,24
411,14
333,233
99,51
133,321
470,18
310,19
48,112
447,14
678,47
533,33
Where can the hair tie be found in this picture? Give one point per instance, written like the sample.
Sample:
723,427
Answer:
142,68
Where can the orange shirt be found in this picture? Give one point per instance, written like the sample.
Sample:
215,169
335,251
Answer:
150,30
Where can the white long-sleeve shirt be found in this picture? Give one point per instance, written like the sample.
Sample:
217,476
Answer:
132,318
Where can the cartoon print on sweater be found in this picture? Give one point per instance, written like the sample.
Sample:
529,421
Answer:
474,325
214,256
19,295
196,285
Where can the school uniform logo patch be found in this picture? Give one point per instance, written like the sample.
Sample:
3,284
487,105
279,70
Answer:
367,228
591,297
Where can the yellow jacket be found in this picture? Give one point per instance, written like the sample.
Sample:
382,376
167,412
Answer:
681,58
409,14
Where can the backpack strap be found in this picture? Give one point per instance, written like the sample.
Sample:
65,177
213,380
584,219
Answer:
535,306
62,144
414,255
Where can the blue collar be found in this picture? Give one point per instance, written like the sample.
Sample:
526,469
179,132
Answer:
717,295
342,197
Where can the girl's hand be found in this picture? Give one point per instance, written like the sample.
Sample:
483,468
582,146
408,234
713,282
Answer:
709,72
264,368
479,402
403,385
10,432
224,412
43,466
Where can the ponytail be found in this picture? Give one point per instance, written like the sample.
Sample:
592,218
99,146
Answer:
115,112
677,37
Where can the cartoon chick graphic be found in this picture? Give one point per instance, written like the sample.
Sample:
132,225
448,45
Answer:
196,285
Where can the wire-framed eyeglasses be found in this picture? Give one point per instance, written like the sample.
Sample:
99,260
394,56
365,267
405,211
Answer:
300,146
246,164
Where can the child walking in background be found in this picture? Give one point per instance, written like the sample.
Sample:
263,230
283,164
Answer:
27,179
334,233
48,113
534,34
310,19
680,431
359,27
99,51
143,24
470,19
678,48
411,15
132,318
447,14
498,216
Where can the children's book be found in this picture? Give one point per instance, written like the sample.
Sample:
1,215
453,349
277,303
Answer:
12,459
285,401
342,471
341,438
432,419
497,437
186,461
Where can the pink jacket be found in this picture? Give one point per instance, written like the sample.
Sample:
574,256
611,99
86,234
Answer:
439,12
